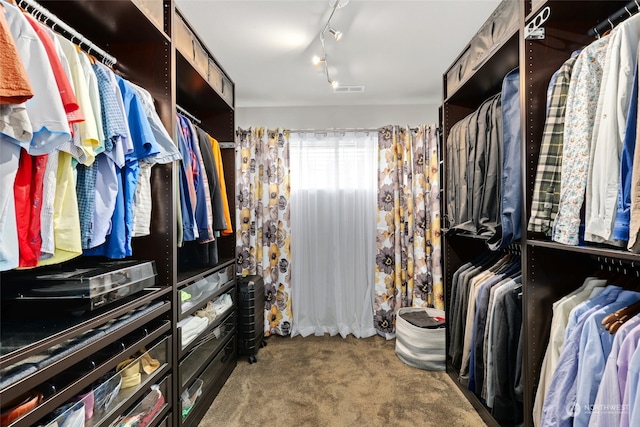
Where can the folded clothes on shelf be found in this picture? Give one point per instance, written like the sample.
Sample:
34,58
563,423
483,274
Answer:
16,408
69,415
107,391
16,373
143,413
188,397
191,327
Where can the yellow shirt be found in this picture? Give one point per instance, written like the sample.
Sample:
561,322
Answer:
66,219
217,155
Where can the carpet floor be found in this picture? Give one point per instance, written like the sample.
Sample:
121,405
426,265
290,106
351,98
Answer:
334,382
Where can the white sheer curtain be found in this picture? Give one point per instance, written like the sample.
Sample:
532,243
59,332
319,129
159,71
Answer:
333,231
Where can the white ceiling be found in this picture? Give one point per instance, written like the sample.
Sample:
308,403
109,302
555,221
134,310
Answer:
397,49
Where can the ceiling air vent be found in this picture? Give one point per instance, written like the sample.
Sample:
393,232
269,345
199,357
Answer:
348,89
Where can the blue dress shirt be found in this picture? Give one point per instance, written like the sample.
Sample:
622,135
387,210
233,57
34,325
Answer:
621,222
559,403
595,346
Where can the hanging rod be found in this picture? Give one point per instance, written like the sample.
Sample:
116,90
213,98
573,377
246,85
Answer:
225,144
627,11
44,15
189,115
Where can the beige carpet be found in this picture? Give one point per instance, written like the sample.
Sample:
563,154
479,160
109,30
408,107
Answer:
331,381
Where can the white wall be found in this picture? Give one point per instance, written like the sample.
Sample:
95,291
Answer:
336,117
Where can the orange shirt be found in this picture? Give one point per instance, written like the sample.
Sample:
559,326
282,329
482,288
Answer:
14,82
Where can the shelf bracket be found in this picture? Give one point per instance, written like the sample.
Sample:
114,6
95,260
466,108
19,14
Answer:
534,30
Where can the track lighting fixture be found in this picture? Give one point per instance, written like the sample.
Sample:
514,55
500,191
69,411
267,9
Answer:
337,35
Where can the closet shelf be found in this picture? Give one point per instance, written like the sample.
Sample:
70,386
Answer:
16,344
123,21
145,327
194,275
66,391
485,81
195,360
203,299
595,250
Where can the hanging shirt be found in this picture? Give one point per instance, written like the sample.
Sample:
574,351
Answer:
546,190
168,150
27,189
217,155
595,346
561,394
85,133
94,98
63,84
609,130
629,378
66,219
623,206
48,206
607,408
634,214
187,188
98,220
144,147
561,310
14,82
204,210
582,102
45,108
9,161
167,153
118,145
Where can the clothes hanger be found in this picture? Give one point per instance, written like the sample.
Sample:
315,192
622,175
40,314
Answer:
613,321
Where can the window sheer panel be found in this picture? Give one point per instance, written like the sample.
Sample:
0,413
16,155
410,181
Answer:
333,209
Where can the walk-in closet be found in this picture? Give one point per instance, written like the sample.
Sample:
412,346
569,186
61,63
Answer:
547,38
232,213
126,346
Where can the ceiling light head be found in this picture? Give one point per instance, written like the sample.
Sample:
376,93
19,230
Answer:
316,60
335,33
334,84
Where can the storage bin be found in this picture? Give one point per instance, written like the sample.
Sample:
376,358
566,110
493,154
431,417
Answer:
420,347
502,23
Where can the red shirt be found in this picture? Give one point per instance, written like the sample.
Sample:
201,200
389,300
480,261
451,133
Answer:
67,95
27,189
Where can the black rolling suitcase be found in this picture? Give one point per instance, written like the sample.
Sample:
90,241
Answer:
250,316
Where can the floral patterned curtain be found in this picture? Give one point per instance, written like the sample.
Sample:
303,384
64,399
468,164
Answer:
408,244
263,238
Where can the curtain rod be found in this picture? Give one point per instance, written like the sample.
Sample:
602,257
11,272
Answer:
188,114
627,11
342,130
333,130
44,15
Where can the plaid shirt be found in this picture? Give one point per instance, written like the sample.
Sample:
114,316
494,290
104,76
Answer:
546,190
